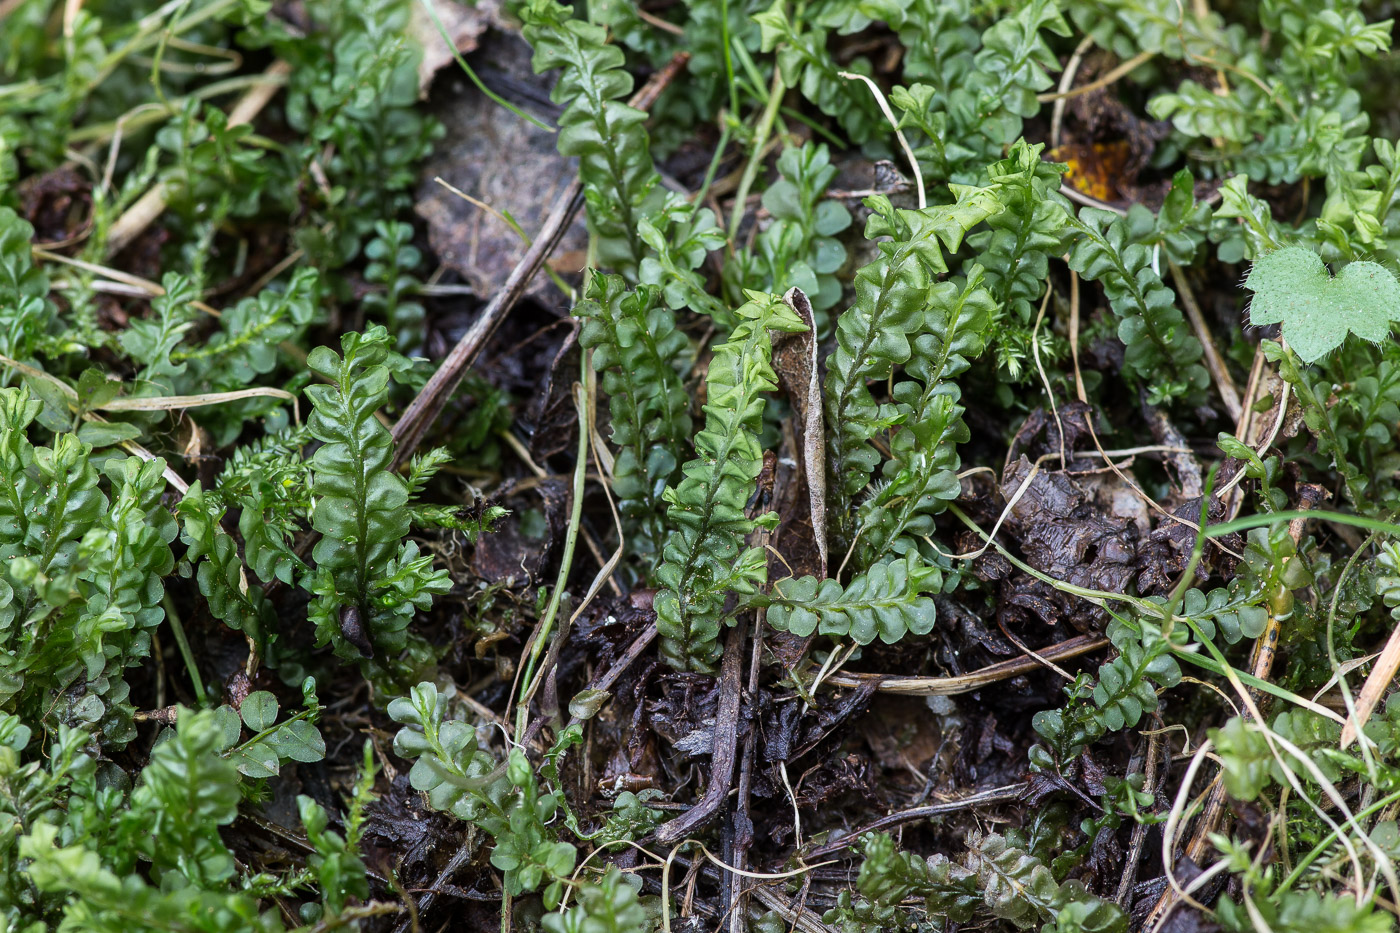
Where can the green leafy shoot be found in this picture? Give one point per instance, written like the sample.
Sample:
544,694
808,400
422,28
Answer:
884,602
368,580
705,558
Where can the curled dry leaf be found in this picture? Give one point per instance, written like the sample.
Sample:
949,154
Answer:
795,362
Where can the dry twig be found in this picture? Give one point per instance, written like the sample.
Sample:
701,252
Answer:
433,397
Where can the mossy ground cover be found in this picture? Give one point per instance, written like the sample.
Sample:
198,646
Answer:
834,481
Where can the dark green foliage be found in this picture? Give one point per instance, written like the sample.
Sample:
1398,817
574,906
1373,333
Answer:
249,333
105,858
630,819
334,864
1178,228
705,558
1361,215
363,566
1351,433
123,98
874,334
352,96
998,875
920,477
939,40
1162,353
888,876
1387,582
1305,912
1156,25
84,562
1017,886
924,118
883,602
1251,765
269,482
233,599
1256,231
852,915
151,340
603,132
707,24
1016,247
637,347
245,346
280,237
804,63
1009,71
270,744
26,315
504,799
213,163
1273,569
679,237
972,92
1232,612
609,906
1126,689
800,247
392,261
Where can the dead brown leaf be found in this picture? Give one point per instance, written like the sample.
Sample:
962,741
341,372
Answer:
795,362
464,24
468,238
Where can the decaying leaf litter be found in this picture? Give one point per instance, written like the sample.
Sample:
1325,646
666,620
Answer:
832,481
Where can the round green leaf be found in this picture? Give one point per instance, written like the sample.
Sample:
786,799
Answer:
259,710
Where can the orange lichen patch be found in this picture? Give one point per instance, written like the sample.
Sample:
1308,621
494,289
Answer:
1097,169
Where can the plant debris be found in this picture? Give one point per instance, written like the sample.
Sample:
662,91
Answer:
711,466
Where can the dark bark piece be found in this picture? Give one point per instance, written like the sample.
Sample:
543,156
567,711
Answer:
1184,469
510,553
1062,533
1006,794
723,758
552,420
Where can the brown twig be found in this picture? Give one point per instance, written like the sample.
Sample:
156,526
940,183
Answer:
996,795
1376,683
620,666
136,218
433,397
726,742
1057,112
740,825
1151,779
1245,425
797,919
459,859
966,683
1121,71
664,25
428,404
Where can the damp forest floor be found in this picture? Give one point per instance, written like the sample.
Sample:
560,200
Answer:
835,466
